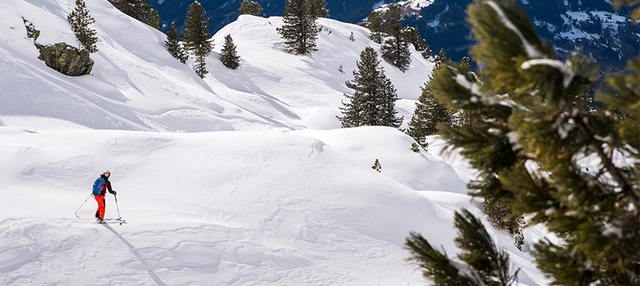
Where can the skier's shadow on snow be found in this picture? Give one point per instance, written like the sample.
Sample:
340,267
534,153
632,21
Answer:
135,252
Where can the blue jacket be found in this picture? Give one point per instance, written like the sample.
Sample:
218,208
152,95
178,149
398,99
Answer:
106,185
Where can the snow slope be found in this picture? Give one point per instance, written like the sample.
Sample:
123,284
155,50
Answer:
136,85
243,178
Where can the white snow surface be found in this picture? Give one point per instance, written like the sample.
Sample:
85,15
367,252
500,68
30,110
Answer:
608,20
416,4
243,178
409,7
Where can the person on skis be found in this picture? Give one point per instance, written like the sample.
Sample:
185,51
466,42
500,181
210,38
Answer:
100,188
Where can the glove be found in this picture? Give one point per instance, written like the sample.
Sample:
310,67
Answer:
114,193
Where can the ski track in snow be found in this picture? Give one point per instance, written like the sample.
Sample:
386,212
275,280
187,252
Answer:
167,257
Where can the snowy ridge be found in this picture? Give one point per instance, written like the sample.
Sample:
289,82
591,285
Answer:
137,85
243,178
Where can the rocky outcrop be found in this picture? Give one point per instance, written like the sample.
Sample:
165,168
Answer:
66,59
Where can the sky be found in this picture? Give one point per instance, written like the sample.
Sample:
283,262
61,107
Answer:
241,178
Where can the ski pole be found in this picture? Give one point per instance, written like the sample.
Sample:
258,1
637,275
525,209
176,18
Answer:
83,204
117,207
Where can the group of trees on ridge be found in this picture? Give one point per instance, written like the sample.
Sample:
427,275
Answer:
373,101
197,39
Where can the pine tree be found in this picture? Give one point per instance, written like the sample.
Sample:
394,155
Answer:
317,8
32,32
487,265
442,55
79,20
138,9
438,113
428,54
392,24
429,113
228,56
197,37
533,144
374,23
466,118
376,166
411,35
173,44
250,8
153,19
472,121
200,66
395,49
374,97
387,105
299,29
416,148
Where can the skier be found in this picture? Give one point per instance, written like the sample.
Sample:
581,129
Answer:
100,188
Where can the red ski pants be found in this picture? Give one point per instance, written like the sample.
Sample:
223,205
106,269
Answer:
101,209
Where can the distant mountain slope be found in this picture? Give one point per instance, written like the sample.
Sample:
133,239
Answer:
593,25
608,36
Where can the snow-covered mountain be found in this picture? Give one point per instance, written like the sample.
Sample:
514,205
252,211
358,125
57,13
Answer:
243,178
609,36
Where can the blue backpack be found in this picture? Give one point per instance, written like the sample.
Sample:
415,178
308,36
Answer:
98,185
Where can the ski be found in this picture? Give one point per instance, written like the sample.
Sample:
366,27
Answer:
118,220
